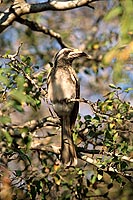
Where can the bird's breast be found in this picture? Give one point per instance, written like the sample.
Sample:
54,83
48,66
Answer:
62,84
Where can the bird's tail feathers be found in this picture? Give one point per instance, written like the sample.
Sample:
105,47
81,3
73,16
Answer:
68,152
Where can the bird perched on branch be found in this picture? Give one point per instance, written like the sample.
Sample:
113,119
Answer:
63,86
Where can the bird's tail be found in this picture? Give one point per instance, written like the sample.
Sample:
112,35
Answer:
68,152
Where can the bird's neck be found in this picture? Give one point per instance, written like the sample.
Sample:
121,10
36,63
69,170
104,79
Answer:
62,63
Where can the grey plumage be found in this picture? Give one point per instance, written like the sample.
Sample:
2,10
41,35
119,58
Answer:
63,86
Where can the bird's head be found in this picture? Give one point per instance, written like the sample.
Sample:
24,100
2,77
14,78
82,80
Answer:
67,55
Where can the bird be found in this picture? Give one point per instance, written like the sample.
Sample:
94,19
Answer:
63,86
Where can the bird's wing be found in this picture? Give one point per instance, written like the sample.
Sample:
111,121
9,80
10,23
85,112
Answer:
75,110
49,75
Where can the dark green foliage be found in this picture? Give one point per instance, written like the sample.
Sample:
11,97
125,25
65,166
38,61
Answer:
108,131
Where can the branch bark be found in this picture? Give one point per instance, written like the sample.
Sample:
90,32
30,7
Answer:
20,7
39,28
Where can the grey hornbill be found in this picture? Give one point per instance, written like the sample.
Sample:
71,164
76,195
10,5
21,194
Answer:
63,86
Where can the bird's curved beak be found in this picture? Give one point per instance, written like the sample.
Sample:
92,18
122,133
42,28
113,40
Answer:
75,53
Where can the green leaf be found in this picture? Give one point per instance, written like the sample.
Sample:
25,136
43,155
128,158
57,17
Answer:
87,117
8,137
111,95
112,86
18,172
80,172
18,96
123,165
20,82
128,90
119,179
5,119
38,102
93,179
115,12
26,60
27,70
18,107
3,77
99,177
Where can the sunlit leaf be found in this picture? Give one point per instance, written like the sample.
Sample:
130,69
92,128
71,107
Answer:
112,86
93,179
115,12
18,96
99,177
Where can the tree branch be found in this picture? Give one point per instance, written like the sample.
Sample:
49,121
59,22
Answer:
108,170
39,28
60,5
33,125
20,7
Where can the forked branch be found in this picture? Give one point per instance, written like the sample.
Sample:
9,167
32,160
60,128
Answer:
21,7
